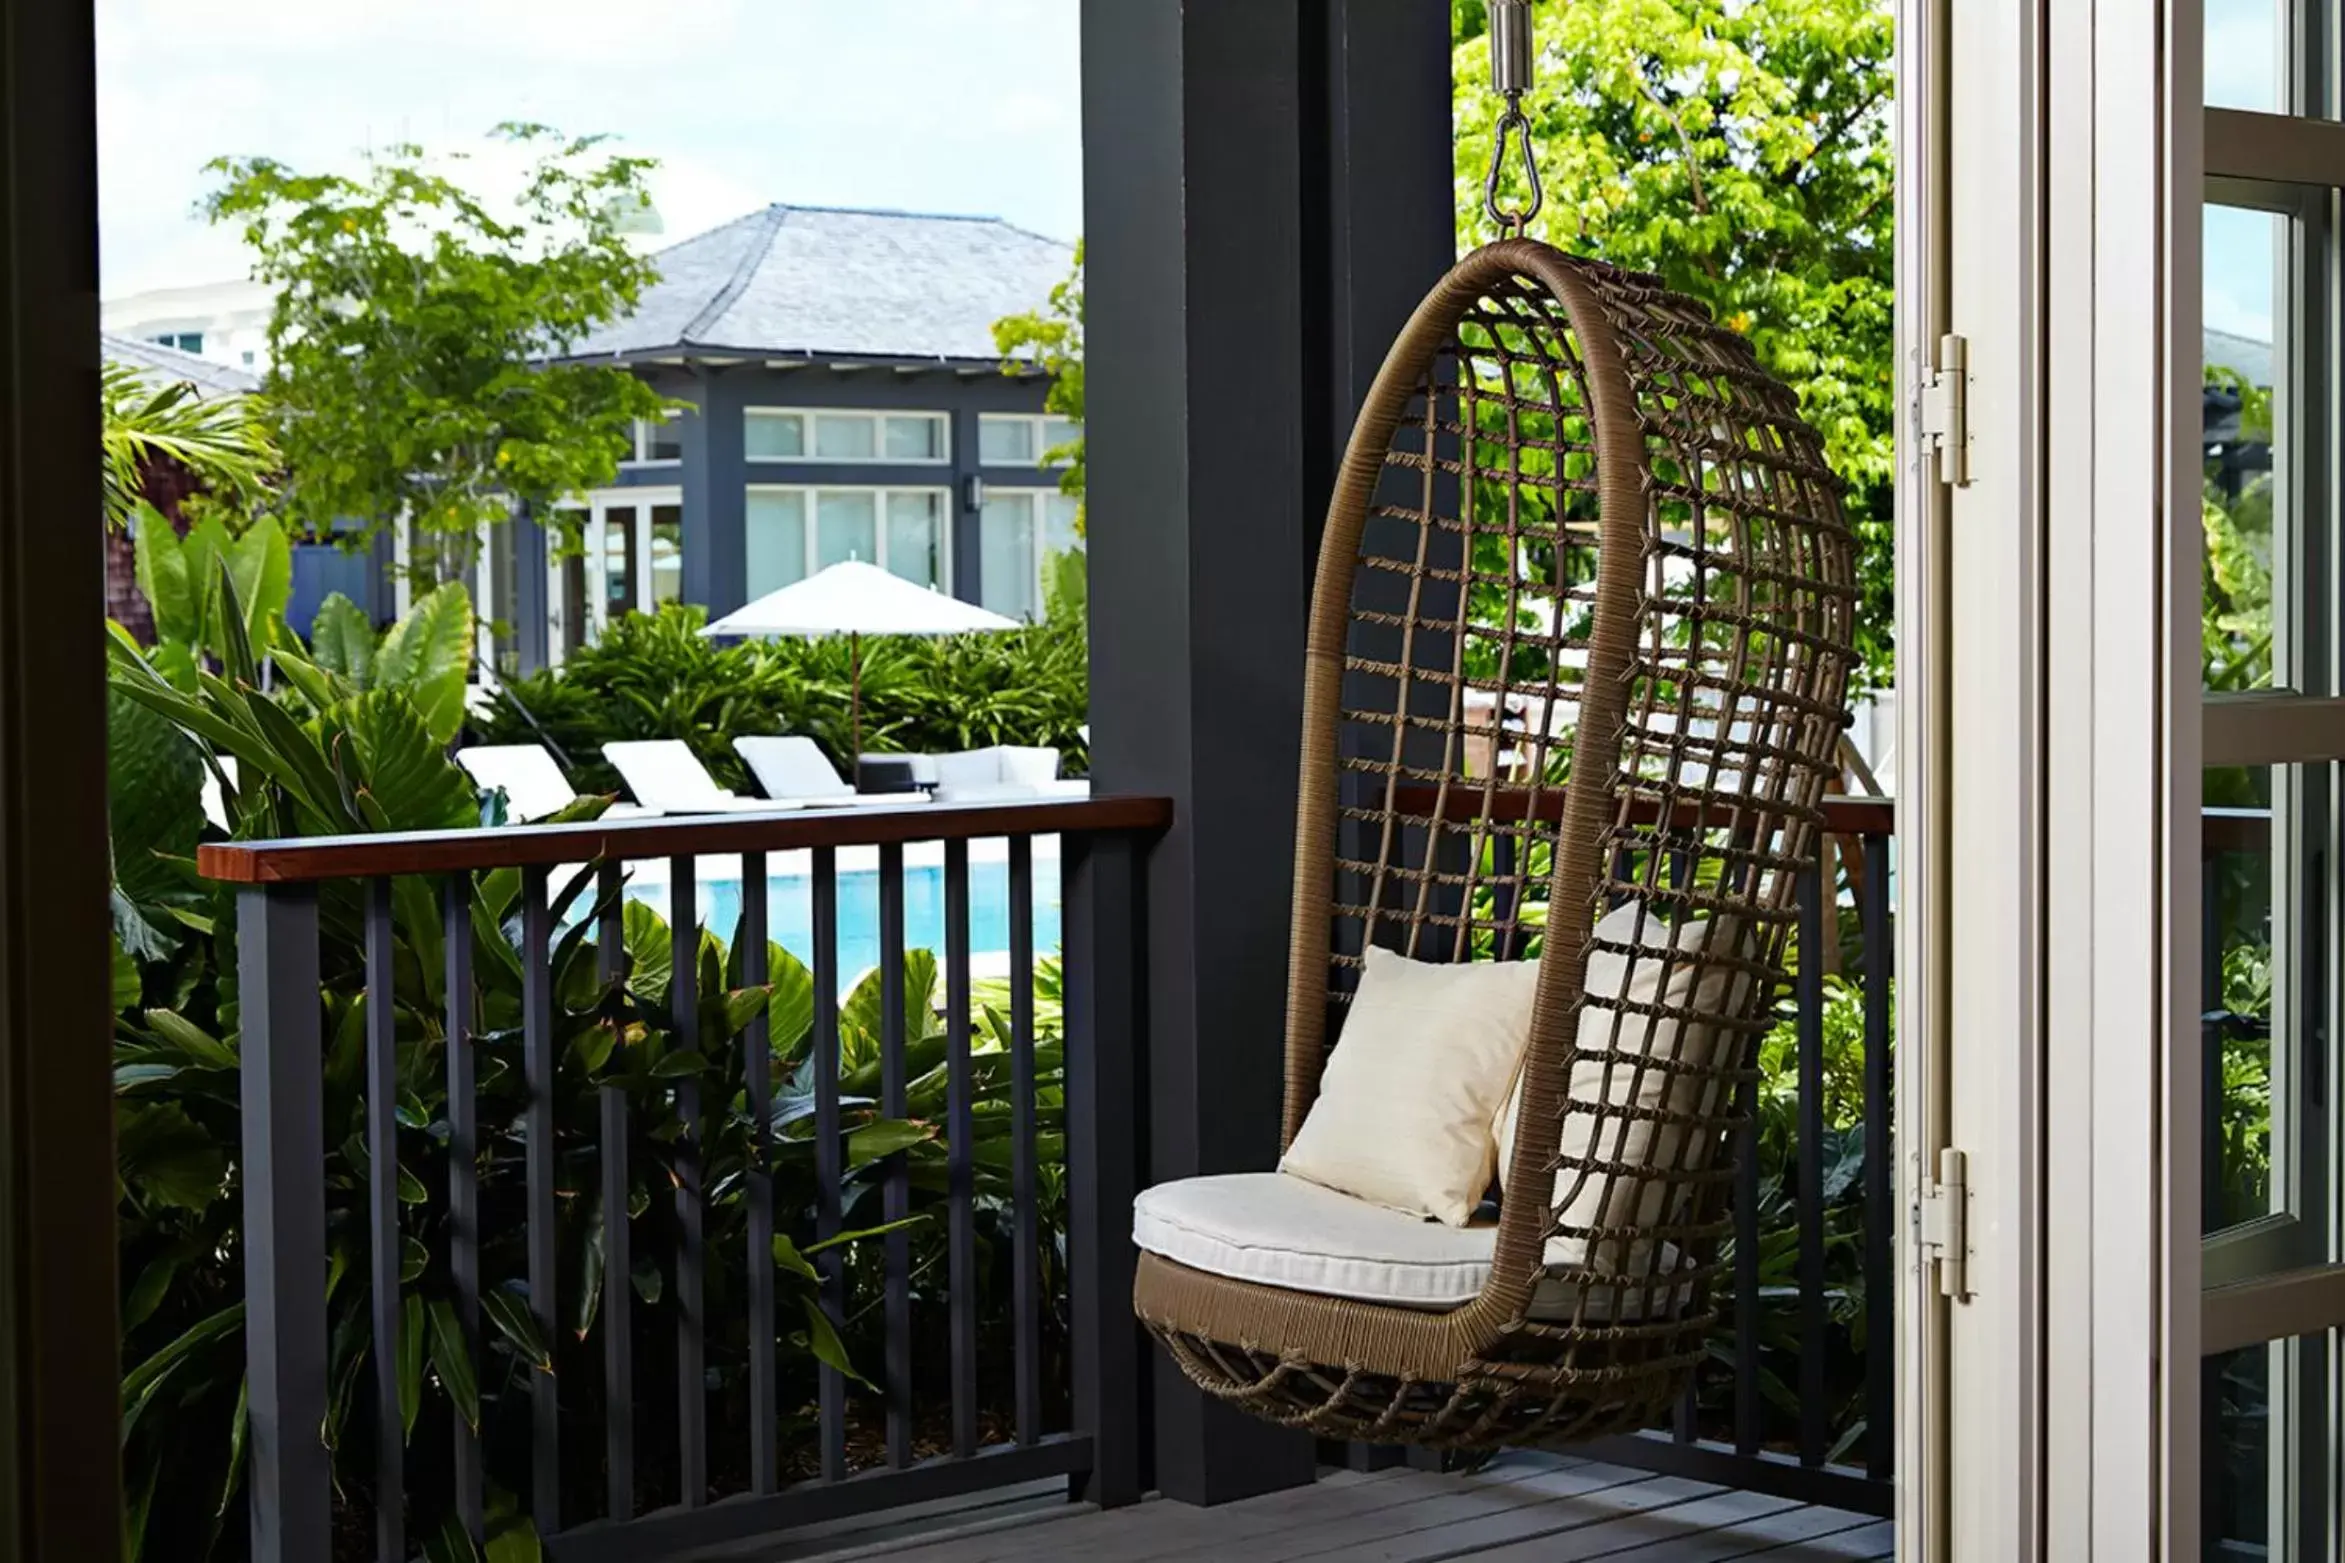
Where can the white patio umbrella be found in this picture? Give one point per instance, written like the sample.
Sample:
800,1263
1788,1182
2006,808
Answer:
855,599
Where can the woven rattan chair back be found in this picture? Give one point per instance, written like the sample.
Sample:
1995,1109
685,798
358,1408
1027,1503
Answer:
1580,637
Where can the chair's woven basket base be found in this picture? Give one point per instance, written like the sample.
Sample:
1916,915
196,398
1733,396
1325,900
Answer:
1573,1381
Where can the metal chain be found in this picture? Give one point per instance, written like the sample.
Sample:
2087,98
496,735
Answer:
1510,78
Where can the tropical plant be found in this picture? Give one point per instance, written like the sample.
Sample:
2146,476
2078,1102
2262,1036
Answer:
220,443
195,585
417,339
340,748
656,676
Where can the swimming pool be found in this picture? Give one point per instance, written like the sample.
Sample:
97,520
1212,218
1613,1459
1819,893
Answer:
790,911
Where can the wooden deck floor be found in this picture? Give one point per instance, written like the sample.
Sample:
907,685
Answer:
1519,1508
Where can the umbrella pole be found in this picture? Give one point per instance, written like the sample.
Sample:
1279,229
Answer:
855,702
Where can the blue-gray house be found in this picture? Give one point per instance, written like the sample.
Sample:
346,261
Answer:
845,400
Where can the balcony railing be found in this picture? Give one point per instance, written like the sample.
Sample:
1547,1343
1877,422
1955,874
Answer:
577,1427
1795,1401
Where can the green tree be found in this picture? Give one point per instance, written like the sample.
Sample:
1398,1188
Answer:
219,444
1051,339
418,326
1741,150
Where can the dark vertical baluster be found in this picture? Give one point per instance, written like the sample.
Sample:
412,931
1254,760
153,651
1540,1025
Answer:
618,1324
1025,1179
1103,996
897,1196
691,1261
2210,1041
537,1065
757,1074
962,1167
1812,1410
1880,1170
829,1163
463,1180
382,1190
1747,1406
281,1077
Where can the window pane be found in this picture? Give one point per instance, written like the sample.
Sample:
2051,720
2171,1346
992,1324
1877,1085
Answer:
1005,565
916,538
846,526
845,436
777,540
667,554
2239,447
1006,442
1057,432
773,436
618,562
919,438
2246,65
1065,585
660,440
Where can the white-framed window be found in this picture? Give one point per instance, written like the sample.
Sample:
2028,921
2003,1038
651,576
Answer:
823,434
631,560
1019,439
795,531
1024,535
656,443
185,341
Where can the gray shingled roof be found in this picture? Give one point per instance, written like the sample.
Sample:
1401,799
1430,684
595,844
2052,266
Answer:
2250,359
160,366
823,281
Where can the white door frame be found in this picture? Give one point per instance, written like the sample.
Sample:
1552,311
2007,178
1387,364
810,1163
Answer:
2049,740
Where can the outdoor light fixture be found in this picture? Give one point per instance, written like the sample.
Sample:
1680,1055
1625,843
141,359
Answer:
976,492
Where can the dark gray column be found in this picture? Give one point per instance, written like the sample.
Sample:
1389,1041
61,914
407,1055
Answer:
59,1458
964,519
533,604
716,539
1231,320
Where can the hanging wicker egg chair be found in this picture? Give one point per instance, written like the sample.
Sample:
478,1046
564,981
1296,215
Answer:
1579,534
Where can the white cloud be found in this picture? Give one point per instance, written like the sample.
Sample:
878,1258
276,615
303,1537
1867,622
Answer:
945,105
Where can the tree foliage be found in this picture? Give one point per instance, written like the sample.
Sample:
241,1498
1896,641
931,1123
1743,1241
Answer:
1051,339
221,443
418,326
1740,149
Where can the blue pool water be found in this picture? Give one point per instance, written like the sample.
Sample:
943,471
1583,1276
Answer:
790,912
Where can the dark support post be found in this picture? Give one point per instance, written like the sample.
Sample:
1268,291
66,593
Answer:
1105,1011
284,1222
60,1455
1231,323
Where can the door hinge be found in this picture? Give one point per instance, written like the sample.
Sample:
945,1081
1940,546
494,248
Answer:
1941,1224
1943,416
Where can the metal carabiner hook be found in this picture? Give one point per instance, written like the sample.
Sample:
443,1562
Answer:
1515,219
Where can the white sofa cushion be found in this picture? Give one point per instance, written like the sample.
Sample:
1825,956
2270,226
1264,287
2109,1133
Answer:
1409,1096
1623,1061
1282,1231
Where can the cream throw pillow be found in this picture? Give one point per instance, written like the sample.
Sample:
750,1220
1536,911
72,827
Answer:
1613,1044
1409,1095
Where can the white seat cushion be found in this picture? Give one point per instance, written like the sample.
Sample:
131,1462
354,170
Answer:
1282,1231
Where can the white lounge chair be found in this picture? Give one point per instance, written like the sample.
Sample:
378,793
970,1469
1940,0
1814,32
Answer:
665,774
532,782
795,770
1003,773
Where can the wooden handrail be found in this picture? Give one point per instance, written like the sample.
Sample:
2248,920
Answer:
301,859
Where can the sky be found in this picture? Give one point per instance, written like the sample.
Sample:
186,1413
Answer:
965,106
2242,72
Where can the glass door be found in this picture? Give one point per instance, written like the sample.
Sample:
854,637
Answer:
2273,737
629,559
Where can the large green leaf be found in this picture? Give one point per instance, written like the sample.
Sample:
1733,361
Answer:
401,765
427,654
154,777
163,577
342,639
261,562
164,1157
